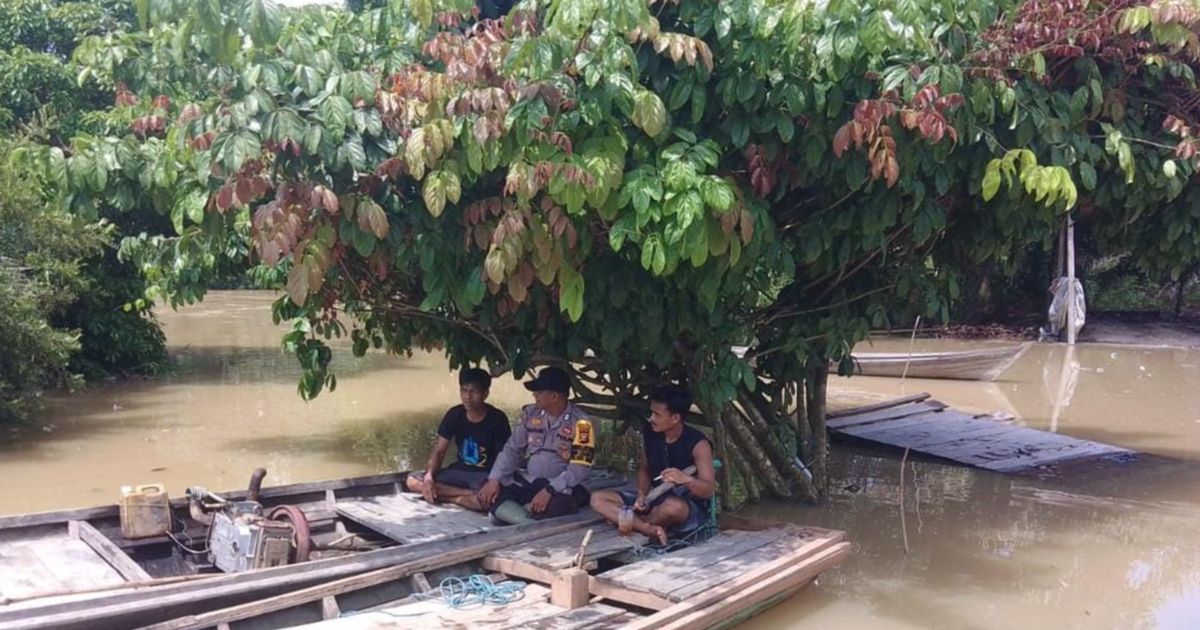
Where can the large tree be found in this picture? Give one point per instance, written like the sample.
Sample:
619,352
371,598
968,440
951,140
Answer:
626,188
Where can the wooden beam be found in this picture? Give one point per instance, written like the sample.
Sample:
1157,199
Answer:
105,548
735,597
421,582
887,404
516,568
330,608
569,589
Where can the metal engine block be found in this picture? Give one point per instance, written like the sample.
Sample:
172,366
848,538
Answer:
243,539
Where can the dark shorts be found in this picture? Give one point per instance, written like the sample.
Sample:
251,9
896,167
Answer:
697,513
523,490
459,476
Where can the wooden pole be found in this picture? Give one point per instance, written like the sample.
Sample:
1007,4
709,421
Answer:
1071,315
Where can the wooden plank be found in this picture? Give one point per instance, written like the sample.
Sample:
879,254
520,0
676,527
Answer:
108,551
337,587
32,566
731,568
976,441
932,433
435,613
887,414
559,552
896,402
104,610
665,574
625,595
590,616
1052,456
408,519
946,423
718,604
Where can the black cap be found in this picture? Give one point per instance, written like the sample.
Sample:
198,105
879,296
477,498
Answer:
550,379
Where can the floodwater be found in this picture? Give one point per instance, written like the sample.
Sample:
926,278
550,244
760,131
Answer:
1111,547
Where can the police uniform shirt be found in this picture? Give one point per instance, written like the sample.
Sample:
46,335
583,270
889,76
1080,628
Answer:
559,449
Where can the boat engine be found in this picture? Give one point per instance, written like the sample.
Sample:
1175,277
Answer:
241,537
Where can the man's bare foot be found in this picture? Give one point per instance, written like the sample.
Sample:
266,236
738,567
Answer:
661,534
468,501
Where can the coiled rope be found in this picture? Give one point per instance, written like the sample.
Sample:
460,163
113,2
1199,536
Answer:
479,590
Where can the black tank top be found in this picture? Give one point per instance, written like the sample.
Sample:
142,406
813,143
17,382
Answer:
661,455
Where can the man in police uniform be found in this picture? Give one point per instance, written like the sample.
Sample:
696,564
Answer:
547,459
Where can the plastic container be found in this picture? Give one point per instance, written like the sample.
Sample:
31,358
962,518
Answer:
145,511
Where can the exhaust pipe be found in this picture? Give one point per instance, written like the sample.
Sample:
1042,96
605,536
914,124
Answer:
255,484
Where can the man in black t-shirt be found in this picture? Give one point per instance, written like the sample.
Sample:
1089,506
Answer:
479,430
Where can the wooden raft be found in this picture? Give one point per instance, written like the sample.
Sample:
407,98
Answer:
658,583
408,519
930,427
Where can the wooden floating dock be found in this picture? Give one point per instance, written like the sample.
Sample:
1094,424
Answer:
930,427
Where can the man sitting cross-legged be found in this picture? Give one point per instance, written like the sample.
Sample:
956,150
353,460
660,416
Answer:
669,447
480,430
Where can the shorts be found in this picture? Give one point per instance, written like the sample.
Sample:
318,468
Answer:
458,475
697,512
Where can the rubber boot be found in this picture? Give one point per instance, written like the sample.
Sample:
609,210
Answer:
511,513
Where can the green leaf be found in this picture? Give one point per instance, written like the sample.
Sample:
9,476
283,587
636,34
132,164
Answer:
434,194
233,150
786,128
263,20
571,293
1087,175
991,181
358,87
649,113
371,217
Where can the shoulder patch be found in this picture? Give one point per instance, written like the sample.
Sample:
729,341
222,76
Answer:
583,448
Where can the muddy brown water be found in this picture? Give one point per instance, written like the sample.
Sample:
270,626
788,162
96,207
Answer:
1115,546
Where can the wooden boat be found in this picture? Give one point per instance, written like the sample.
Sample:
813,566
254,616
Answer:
966,365
74,569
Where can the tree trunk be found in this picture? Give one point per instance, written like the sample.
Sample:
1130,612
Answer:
756,457
815,389
724,453
780,458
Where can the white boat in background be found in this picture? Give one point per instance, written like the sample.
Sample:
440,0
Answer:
962,365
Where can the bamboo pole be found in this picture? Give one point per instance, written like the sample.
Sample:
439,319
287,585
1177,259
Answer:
1071,314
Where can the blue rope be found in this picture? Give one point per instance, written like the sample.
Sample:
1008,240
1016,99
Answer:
479,590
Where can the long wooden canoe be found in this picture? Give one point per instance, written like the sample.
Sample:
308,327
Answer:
966,365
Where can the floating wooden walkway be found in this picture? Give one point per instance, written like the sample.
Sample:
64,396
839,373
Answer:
714,584
930,427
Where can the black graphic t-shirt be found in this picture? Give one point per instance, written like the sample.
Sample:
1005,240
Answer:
478,442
